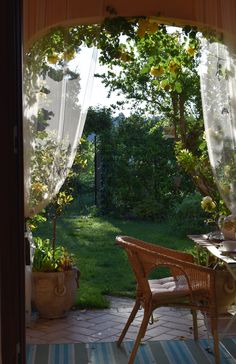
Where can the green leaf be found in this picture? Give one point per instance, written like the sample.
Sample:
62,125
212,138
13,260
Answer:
145,69
178,87
150,61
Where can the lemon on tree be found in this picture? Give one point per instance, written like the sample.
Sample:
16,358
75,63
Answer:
173,66
53,58
68,55
191,51
156,71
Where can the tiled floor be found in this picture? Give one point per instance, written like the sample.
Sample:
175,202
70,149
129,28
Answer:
106,325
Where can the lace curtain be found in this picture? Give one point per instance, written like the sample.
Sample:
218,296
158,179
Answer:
218,90
56,95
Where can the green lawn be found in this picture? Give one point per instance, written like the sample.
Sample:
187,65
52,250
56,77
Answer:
103,265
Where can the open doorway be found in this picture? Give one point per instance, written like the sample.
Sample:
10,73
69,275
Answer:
15,199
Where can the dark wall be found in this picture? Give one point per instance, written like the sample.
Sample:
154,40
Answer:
11,186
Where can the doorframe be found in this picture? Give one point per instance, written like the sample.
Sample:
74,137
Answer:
12,253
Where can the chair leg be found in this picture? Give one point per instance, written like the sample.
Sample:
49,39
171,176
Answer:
140,335
129,321
215,335
195,325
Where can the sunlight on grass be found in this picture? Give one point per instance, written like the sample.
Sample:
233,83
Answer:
103,265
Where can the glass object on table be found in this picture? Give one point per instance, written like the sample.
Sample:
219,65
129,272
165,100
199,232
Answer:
214,236
227,225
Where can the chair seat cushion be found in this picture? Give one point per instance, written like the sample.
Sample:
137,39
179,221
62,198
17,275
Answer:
168,289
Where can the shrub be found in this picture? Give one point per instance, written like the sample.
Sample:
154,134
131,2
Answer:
189,216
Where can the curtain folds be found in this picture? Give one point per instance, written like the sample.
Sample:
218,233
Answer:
56,95
218,90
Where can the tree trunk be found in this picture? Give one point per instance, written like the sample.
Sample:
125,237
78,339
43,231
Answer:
54,233
174,99
182,121
98,174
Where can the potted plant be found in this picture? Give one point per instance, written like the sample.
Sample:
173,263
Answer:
55,278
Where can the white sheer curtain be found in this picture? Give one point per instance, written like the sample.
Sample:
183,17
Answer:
218,90
56,95
218,87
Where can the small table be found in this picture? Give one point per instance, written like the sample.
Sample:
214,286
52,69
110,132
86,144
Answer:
212,247
201,241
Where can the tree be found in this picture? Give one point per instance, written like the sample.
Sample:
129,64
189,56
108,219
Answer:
98,124
156,69
67,193
140,179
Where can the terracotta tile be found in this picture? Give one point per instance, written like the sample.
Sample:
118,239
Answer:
178,320
80,330
82,323
180,326
106,333
109,339
79,338
59,340
54,336
55,326
158,331
34,340
162,337
35,333
178,334
106,325
120,319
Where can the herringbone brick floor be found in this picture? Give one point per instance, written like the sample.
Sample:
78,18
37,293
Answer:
106,325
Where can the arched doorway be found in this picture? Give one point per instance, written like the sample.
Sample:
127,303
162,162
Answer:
39,16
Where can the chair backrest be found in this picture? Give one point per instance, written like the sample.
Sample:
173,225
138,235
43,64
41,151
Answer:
144,257
157,248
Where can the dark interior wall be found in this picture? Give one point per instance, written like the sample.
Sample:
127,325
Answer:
11,186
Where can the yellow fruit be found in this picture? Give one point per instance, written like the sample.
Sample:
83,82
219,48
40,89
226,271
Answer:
165,85
143,25
152,27
156,71
125,57
53,58
191,51
69,55
173,66
208,204
141,32
147,25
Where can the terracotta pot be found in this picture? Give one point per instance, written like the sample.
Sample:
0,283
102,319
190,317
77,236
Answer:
225,290
54,293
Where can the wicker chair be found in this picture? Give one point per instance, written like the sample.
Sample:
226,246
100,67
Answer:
189,285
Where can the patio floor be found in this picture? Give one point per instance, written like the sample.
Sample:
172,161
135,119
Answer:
106,325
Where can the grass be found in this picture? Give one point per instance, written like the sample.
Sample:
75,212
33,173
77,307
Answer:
103,265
